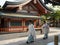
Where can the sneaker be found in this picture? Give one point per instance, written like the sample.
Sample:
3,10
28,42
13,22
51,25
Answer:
27,42
44,38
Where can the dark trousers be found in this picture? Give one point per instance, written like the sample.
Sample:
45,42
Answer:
46,35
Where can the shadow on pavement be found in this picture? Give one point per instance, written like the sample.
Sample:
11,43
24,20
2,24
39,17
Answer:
39,41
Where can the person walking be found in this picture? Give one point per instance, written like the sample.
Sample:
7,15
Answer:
31,33
45,29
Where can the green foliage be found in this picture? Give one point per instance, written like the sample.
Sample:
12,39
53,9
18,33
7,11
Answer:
55,15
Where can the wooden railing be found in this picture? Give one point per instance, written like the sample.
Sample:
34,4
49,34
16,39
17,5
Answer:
16,29
4,29
13,29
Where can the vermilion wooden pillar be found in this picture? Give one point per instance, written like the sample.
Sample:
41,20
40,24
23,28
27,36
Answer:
35,23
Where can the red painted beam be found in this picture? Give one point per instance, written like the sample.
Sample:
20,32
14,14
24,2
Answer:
40,7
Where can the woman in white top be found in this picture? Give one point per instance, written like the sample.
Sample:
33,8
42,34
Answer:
31,33
45,29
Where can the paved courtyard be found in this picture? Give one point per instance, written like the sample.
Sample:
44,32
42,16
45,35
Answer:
20,38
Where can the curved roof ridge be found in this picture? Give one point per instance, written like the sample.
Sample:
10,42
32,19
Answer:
25,3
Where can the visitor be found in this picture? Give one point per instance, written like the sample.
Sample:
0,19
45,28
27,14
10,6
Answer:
31,33
45,29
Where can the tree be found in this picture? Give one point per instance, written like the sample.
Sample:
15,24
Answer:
54,17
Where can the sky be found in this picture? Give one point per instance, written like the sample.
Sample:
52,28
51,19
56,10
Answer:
2,2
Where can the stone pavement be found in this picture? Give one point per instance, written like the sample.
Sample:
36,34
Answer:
10,40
